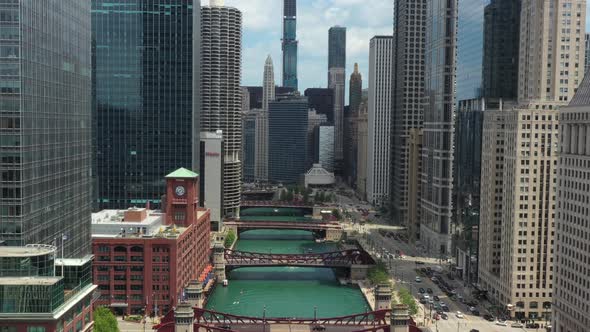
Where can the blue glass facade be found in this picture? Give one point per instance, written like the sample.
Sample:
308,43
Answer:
287,137
144,96
290,44
337,47
470,49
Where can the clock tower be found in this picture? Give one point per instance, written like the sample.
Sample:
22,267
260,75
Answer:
182,197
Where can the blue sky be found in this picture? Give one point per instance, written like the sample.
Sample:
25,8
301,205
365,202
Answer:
262,35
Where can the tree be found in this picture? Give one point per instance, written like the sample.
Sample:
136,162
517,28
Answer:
105,321
336,214
229,238
289,196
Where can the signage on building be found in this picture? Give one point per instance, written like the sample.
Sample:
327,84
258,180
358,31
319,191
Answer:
212,154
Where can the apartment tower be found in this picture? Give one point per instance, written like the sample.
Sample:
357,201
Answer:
221,40
290,44
516,264
408,93
379,140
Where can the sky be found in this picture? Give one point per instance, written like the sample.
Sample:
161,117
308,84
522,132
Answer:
262,29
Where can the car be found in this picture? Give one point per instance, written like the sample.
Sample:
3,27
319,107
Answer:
418,279
429,290
436,316
421,290
431,302
488,317
473,330
224,327
318,328
459,314
501,323
436,298
475,312
517,325
434,279
532,326
472,309
419,263
444,316
445,308
423,300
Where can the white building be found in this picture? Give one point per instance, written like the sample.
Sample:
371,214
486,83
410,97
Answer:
211,177
380,113
268,94
221,95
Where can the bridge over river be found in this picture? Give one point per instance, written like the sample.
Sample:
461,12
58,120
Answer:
345,259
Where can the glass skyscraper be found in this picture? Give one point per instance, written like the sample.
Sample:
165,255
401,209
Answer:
145,96
337,47
336,82
287,137
290,44
45,124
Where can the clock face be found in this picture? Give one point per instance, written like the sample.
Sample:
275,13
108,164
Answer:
180,191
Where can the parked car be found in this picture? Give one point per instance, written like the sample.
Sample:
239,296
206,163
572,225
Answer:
421,290
475,312
501,323
419,263
532,325
224,327
429,290
444,316
445,308
473,330
436,298
488,317
517,325
418,279
459,314
319,328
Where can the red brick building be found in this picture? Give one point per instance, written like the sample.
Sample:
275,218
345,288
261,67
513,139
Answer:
144,258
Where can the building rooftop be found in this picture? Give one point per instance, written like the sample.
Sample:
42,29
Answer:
73,261
182,173
39,281
30,250
582,96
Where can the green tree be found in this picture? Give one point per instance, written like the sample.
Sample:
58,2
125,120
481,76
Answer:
336,213
319,197
306,197
229,238
105,321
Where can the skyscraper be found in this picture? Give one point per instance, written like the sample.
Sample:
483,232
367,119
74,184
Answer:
437,136
408,92
587,58
336,78
146,97
290,44
571,309
287,131
45,124
322,100
356,89
221,38
380,113
516,264
249,145
487,72
268,94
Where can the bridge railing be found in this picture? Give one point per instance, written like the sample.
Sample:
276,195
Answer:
336,258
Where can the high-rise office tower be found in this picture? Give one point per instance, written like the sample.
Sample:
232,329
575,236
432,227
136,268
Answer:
587,57
249,145
380,113
437,136
408,92
45,124
520,223
336,78
287,131
221,40
325,147
571,309
487,71
268,95
356,89
146,97
290,44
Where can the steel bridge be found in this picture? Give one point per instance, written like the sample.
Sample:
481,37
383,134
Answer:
212,321
345,259
251,204
293,225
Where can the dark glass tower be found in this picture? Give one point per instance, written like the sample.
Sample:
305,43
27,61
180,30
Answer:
322,100
336,82
290,44
287,137
146,96
45,124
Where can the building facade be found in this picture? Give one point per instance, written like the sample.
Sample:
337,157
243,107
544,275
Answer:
408,92
261,151
414,167
221,64
380,114
436,206
362,125
516,268
314,121
287,131
45,149
571,309
249,145
145,101
356,89
211,177
144,258
325,147
321,100
587,57
290,44
336,81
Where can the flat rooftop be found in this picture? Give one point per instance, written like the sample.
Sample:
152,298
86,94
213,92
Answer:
26,251
117,217
39,281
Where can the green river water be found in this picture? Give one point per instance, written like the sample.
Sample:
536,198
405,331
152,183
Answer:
285,291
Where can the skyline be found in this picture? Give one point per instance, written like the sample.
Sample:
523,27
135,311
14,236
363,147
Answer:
262,33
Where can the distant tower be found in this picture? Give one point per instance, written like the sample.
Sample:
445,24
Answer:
221,54
290,44
356,90
336,81
268,88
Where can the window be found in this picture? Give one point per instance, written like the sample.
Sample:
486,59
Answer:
179,216
35,329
